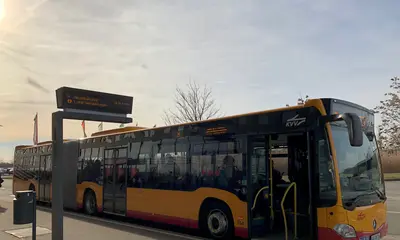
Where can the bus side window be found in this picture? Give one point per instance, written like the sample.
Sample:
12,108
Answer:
49,168
229,166
144,164
36,166
133,166
195,165
80,166
173,166
165,162
96,173
207,160
86,169
182,178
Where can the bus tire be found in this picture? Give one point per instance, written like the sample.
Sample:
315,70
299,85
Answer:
216,220
90,203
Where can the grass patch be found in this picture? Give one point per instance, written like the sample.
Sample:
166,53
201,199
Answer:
392,176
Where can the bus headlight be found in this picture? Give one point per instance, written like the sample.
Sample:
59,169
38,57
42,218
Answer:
345,230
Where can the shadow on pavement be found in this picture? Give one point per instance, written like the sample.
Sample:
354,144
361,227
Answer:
137,227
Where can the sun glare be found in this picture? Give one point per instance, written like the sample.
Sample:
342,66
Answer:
2,10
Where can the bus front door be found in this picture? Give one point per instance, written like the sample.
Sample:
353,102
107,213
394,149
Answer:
258,185
115,178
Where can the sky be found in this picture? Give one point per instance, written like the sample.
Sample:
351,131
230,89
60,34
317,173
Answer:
255,55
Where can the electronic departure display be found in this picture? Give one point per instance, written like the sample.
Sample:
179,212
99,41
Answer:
80,99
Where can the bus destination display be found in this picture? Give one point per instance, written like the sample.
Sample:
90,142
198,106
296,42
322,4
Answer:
73,98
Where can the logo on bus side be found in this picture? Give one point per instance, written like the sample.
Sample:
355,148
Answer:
360,216
295,121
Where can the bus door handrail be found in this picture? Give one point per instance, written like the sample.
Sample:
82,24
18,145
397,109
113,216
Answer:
294,212
258,193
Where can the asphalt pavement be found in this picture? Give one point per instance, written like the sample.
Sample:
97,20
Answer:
79,226
76,225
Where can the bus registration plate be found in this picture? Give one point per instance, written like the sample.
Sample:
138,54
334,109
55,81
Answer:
376,236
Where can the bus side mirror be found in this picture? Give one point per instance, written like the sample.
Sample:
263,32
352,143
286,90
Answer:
370,136
354,128
353,123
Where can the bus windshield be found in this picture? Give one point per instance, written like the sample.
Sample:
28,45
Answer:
359,167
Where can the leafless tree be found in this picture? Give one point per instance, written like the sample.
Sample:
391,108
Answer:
389,130
192,104
300,101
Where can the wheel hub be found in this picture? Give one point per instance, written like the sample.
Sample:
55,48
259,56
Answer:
217,223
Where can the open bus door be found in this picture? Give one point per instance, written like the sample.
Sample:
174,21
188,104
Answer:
273,207
260,219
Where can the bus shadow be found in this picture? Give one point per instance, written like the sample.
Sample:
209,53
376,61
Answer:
143,228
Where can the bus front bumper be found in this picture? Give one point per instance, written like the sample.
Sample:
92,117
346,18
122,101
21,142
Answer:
330,234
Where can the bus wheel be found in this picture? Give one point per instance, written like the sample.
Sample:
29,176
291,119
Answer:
89,203
217,221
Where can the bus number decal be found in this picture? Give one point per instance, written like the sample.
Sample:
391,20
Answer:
240,221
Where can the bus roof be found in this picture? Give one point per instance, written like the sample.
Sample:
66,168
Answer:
310,102
44,143
133,129
117,130
328,102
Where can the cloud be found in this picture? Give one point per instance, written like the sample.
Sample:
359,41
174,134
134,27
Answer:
33,83
255,55
31,102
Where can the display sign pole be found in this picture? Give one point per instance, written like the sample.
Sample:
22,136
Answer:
79,104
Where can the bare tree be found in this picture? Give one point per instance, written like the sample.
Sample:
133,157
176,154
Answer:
389,130
192,104
300,101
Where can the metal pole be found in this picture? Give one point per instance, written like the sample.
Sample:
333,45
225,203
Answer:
34,216
313,224
57,175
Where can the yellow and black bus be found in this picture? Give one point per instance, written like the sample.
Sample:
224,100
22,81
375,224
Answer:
311,170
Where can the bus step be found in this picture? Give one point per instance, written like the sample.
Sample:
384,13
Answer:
258,226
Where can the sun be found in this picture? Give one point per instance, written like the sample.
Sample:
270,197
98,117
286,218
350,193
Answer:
2,10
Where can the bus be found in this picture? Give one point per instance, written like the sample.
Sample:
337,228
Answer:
310,171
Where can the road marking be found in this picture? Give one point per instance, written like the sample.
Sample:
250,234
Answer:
391,237
393,198
149,229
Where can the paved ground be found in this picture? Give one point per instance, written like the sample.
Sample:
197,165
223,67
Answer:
393,194
76,226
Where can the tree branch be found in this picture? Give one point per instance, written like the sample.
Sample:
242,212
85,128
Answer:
193,104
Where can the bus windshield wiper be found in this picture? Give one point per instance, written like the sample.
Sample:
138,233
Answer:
352,202
380,194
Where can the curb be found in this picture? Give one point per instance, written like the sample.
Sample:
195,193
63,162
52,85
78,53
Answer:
392,179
